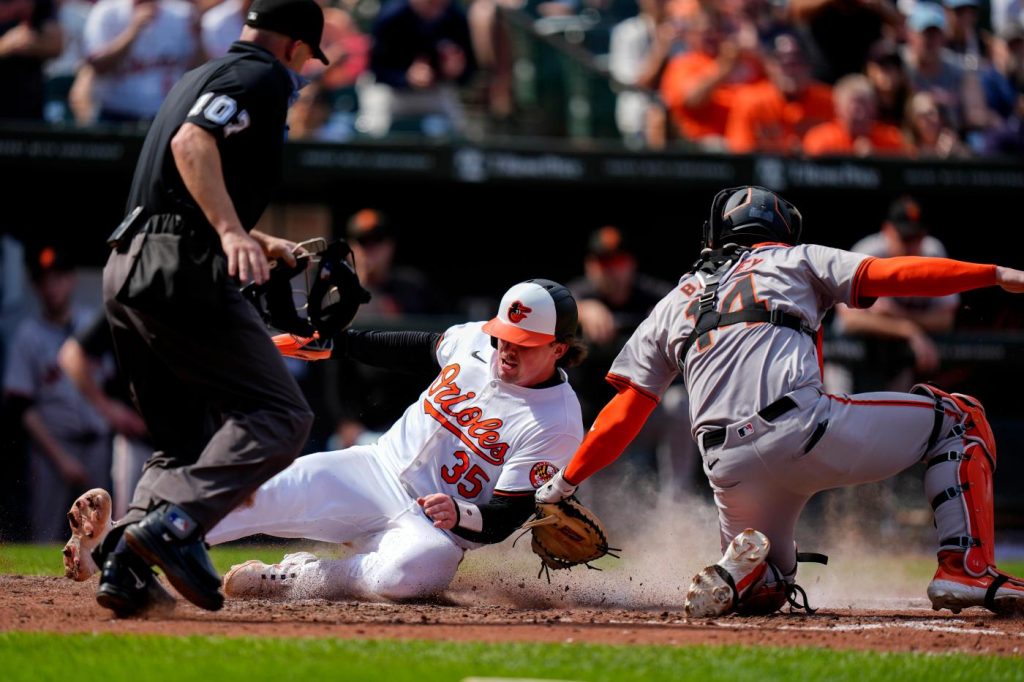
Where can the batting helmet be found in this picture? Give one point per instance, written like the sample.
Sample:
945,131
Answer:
330,299
747,215
533,313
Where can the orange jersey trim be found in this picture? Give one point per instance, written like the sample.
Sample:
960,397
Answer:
921,276
614,429
857,300
885,403
622,383
505,493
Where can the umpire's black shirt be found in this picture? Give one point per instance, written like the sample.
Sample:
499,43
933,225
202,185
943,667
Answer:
242,99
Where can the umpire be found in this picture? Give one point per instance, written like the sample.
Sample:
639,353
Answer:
224,413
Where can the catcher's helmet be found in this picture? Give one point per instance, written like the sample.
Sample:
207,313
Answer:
751,214
330,299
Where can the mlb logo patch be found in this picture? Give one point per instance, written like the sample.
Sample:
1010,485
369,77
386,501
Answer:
180,523
745,430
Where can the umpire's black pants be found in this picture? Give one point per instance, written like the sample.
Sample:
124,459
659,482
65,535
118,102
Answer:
223,411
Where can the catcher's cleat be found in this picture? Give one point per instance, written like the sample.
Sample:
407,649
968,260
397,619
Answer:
954,589
255,579
169,538
129,587
89,518
717,589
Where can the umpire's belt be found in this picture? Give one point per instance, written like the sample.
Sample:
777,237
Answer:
775,410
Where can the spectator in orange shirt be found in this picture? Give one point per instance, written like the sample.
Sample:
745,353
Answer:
698,86
775,114
855,130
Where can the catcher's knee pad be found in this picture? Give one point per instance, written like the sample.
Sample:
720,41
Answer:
967,452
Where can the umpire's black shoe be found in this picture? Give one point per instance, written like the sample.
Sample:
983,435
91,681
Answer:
128,586
169,538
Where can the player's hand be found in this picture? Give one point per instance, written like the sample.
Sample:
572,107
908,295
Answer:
246,259
926,353
73,472
597,321
440,509
555,490
1010,279
123,419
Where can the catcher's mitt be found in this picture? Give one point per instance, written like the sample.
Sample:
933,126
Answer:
566,534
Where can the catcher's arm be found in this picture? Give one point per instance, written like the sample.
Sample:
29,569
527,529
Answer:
617,425
485,523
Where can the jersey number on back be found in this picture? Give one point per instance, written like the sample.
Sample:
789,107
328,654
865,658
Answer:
473,477
741,297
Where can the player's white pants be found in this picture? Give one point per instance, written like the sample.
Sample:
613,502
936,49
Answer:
350,495
764,479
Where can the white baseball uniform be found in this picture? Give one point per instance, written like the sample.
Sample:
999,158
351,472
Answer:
156,60
469,435
766,469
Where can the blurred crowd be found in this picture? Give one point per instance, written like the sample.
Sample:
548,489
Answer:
915,78
68,423
910,78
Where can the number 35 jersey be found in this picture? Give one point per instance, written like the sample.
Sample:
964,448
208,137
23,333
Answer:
470,434
734,371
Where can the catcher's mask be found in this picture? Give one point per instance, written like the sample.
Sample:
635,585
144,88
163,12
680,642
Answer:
748,215
329,292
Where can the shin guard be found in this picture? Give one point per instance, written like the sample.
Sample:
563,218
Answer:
970,446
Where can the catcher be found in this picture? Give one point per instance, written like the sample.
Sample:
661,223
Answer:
458,470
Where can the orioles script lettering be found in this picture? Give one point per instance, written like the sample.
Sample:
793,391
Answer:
481,434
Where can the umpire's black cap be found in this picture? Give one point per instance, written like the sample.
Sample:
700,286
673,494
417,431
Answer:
299,19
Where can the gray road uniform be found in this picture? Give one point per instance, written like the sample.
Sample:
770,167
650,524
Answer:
769,435
34,376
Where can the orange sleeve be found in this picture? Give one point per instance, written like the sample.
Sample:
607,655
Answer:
919,276
614,429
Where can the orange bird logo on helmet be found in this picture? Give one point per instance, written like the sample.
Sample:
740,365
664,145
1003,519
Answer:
517,312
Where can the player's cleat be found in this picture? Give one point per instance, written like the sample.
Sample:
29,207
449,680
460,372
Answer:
89,518
717,589
255,579
129,587
954,589
169,538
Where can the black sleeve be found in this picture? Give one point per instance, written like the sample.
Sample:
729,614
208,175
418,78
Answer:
410,352
501,516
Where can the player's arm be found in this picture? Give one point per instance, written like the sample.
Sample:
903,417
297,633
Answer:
868,322
613,430
69,468
405,351
484,523
81,366
198,161
922,276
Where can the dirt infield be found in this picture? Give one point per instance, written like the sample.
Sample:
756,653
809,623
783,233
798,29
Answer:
33,603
